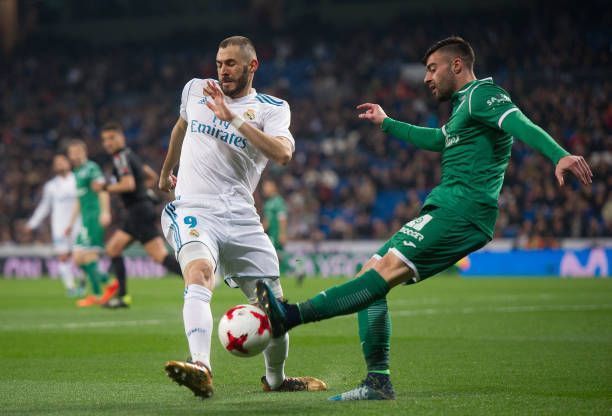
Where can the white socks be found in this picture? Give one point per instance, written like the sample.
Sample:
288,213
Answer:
65,271
275,355
198,322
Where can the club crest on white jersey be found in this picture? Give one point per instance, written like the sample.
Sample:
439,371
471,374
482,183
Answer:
215,157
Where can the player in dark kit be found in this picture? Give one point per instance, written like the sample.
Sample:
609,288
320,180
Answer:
457,218
134,181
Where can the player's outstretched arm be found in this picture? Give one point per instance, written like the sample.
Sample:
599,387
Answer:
422,137
167,180
518,125
276,148
42,210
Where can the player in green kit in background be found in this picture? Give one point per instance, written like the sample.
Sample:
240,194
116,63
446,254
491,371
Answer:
275,221
94,207
457,218
275,225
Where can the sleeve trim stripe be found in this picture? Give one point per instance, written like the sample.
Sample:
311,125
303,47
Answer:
503,116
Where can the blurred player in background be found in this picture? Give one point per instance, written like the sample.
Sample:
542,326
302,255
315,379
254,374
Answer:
457,218
275,225
94,208
224,137
132,181
58,199
275,221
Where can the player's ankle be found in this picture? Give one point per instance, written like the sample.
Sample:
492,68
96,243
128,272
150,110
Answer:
292,314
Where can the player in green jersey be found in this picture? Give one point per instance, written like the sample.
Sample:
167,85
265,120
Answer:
457,218
275,225
275,221
94,207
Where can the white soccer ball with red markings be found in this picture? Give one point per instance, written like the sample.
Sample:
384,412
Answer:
244,330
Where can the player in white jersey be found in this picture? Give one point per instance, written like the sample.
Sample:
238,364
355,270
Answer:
58,197
224,137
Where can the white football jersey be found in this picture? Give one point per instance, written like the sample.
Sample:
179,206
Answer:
58,199
216,158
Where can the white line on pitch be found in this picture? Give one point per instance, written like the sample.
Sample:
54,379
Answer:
78,325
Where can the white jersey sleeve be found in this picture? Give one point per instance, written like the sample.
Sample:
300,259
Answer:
184,99
43,209
277,121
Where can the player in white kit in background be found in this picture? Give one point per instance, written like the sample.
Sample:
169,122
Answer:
224,137
58,198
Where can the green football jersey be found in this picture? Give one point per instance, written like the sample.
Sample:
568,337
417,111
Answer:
274,210
85,175
476,153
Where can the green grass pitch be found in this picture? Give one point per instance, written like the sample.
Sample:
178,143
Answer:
467,347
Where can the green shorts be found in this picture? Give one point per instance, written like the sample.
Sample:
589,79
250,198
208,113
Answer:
434,241
91,235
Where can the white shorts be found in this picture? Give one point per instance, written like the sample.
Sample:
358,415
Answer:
229,228
63,244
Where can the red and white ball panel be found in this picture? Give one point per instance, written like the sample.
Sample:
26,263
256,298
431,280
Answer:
244,330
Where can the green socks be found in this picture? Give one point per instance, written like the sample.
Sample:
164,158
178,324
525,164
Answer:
375,333
94,276
345,299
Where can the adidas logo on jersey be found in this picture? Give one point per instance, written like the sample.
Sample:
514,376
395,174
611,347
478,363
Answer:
202,101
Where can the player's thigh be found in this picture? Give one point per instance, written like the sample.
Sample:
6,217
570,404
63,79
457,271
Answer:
434,241
85,255
118,241
249,252
193,233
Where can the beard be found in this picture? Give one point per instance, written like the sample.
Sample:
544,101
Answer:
445,88
241,83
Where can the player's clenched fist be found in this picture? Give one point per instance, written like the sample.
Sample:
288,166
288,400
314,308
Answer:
372,112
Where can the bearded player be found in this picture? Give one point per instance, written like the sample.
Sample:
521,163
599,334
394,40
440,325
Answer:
224,137
457,218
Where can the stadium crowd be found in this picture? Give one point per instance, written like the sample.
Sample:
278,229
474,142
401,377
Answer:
347,179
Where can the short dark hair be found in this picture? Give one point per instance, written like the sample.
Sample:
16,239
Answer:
455,45
76,142
243,42
112,125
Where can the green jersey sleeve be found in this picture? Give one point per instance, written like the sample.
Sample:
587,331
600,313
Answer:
490,105
422,137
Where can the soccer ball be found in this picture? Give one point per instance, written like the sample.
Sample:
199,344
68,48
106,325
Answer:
244,330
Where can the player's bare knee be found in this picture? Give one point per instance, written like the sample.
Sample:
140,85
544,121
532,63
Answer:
199,272
368,265
394,269
197,264
113,250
